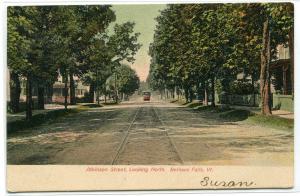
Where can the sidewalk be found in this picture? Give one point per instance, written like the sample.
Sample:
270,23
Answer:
280,113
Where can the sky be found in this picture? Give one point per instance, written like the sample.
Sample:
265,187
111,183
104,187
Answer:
144,17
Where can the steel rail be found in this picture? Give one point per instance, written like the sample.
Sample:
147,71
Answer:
168,136
125,139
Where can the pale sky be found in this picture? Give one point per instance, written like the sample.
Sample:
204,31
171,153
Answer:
144,17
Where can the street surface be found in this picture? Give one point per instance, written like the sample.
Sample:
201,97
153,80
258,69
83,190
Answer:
149,133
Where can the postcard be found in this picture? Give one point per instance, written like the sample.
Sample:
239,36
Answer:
150,96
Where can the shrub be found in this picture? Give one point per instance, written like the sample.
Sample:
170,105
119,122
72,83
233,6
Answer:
242,88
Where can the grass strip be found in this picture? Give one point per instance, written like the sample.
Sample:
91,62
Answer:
39,119
234,115
194,104
272,121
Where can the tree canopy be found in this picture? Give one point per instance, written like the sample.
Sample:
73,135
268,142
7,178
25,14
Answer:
45,41
197,47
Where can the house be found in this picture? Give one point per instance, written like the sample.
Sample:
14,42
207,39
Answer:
58,94
281,70
53,93
281,84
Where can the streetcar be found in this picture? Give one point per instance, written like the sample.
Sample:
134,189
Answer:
146,95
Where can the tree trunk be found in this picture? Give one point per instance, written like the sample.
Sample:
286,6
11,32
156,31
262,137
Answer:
15,91
116,89
284,80
72,90
41,99
265,90
253,90
186,94
122,96
28,98
167,92
98,94
191,95
205,95
66,91
213,104
173,92
98,100
198,91
91,92
291,48
49,92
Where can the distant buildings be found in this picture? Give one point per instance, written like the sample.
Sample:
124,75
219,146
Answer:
53,94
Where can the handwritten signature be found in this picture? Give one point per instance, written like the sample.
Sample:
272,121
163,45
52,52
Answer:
206,181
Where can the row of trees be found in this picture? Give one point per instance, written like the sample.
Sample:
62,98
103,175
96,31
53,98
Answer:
45,41
124,81
197,46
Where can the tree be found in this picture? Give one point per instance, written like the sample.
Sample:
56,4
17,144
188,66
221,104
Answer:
277,25
46,47
44,41
123,45
18,43
92,21
196,45
106,53
265,76
127,81
99,65
21,51
168,64
65,24
191,45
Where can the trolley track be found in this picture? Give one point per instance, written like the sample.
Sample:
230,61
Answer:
144,119
170,139
124,141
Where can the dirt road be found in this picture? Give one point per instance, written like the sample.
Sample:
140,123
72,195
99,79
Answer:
153,132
